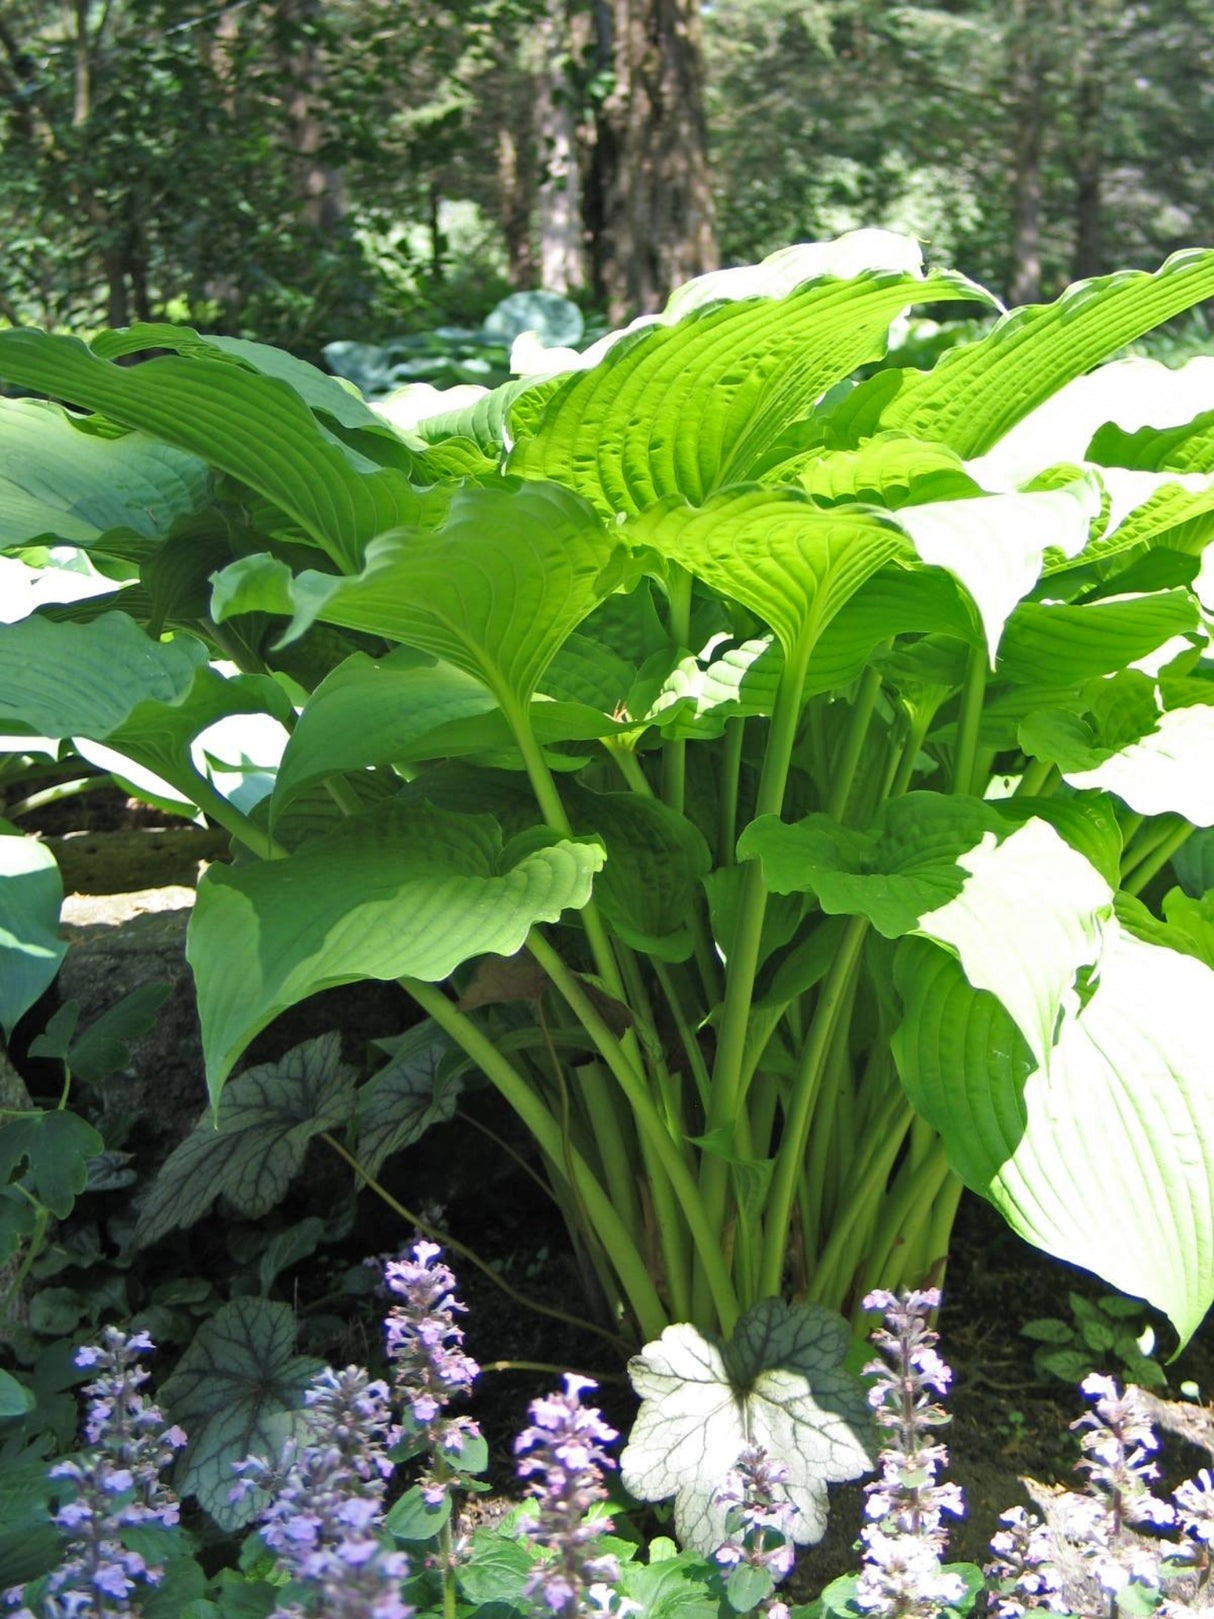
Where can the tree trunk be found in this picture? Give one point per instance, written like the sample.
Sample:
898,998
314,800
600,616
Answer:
657,217
562,256
1089,47
1027,49
319,184
514,188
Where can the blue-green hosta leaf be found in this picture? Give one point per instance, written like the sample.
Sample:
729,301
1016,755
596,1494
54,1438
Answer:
237,1391
417,1088
1020,907
1156,760
1107,1160
494,590
254,427
252,1147
31,893
402,708
977,393
1050,643
995,544
778,1383
775,552
741,370
55,1147
403,889
60,483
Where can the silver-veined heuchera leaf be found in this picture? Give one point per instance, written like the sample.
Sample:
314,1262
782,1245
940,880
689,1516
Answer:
237,1391
778,1383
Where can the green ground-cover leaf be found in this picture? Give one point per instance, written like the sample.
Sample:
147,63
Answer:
1107,1160
494,590
254,427
55,1148
65,485
742,371
237,1391
1118,739
251,1148
31,894
779,1383
401,890
976,393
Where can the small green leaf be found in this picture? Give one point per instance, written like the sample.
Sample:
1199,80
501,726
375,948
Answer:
254,1147
1071,1365
237,1391
15,1398
56,1147
747,1586
105,1046
778,1383
1047,1330
495,1570
413,1518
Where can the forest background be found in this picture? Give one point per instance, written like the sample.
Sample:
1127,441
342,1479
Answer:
309,170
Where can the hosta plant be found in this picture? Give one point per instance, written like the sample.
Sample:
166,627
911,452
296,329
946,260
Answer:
788,792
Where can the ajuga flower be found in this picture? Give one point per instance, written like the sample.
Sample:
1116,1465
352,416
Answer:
115,1485
902,1574
326,1502
426,1348
562,1456
759,1520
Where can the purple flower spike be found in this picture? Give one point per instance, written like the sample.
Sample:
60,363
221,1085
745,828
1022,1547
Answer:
326,1501
759,1521
562,1456
426,1347
116,1484
902,1576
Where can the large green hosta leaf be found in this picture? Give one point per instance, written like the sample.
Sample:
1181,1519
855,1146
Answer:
31,893
1107,1159
740,371
1121,740
253,426
405,889
110,683
494,589
59,482
403,708
1020,906
977,393
1053,644
776,552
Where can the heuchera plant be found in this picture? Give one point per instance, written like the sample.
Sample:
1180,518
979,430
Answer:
788,790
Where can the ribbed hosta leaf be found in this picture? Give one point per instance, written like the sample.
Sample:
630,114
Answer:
891,470
995,544
1107,1161
1156,760
404,889
404,708
59,483
1059,645
775,552
742,371
255,427
108,682
977,393
494,589
1019,906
